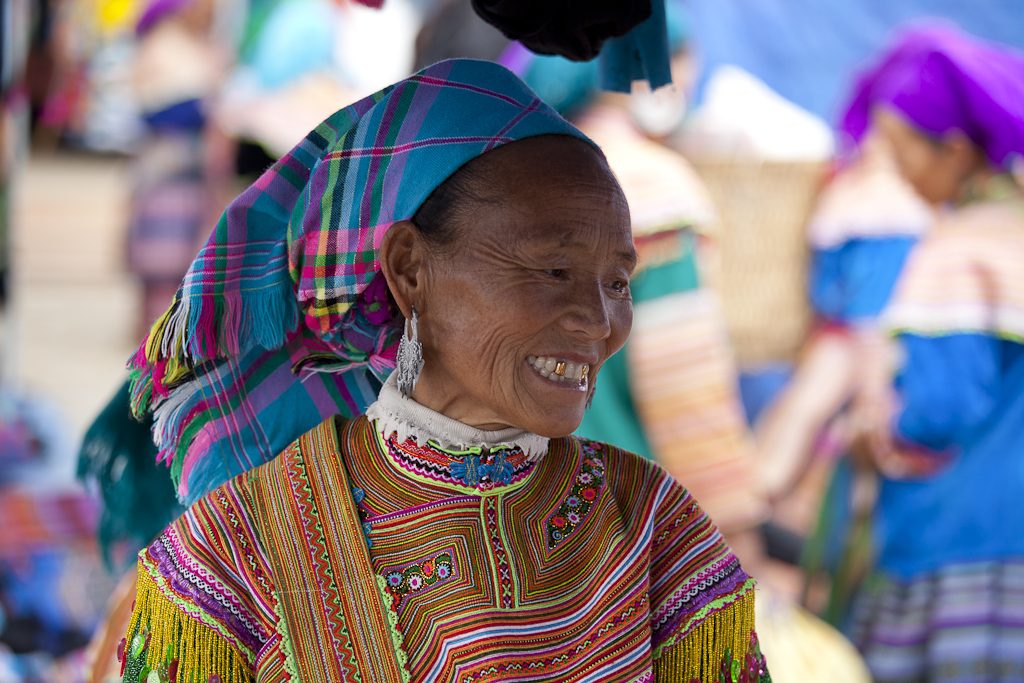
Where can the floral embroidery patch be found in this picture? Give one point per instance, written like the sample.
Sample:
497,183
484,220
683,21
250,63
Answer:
470,470
403,582
585,489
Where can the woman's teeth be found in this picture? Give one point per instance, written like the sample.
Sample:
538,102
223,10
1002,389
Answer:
559,370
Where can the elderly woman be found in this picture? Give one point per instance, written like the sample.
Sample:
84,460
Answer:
455,532
946,602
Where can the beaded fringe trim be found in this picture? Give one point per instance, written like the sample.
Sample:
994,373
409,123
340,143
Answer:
699,656
200,651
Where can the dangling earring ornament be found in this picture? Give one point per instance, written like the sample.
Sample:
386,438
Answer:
410,357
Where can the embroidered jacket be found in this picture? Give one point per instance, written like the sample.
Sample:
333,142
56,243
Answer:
589,564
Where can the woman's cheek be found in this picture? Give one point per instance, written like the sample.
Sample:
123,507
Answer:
621,326
624,314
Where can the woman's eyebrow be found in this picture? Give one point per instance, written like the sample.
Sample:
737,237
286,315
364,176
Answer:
628,257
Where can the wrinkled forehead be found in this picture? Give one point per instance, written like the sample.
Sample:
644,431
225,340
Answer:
559,163
555,190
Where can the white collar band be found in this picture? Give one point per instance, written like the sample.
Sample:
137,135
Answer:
393,413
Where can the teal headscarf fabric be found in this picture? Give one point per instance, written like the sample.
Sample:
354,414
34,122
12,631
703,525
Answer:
567,86
284,318
643,53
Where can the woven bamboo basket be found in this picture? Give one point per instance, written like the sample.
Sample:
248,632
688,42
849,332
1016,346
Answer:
763,254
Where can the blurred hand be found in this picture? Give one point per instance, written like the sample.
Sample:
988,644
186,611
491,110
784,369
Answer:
787,431
874,446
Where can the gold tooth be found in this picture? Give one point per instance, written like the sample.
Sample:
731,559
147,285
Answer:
586,369
560,368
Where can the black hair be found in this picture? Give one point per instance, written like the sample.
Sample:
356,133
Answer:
442,216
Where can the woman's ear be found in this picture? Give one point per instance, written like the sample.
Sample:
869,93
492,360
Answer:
402,261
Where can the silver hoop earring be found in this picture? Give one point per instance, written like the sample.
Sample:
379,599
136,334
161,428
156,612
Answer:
410,357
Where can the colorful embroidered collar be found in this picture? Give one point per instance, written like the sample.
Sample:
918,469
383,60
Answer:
483,470
428,445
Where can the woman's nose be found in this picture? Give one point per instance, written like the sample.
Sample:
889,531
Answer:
589,314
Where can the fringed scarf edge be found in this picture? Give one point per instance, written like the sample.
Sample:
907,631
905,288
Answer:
207,327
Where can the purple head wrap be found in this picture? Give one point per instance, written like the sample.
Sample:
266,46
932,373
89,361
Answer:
156,11
942,79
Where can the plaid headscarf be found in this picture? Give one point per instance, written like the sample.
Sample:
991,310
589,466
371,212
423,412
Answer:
284,319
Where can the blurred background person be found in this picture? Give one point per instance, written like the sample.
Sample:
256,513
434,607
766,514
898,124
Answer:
178,66
302,60
865,223
944,604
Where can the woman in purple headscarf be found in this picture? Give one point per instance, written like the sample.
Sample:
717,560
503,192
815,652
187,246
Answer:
947,601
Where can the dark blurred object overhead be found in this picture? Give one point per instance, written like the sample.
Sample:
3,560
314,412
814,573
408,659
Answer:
575,29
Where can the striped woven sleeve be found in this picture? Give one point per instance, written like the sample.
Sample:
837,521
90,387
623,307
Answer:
701,599
205,608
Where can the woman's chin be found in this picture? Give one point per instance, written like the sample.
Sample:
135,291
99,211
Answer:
555,408
555,423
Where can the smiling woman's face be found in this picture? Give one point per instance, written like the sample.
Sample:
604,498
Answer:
537,277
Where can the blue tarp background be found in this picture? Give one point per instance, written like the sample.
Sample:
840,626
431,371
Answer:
809,50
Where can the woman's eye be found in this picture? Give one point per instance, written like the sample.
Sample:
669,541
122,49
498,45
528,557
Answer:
620,285
556,273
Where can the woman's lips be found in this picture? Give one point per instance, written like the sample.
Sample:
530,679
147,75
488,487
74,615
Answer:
557,369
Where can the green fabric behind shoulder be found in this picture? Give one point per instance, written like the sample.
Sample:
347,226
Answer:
138,495
680,275
612,416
